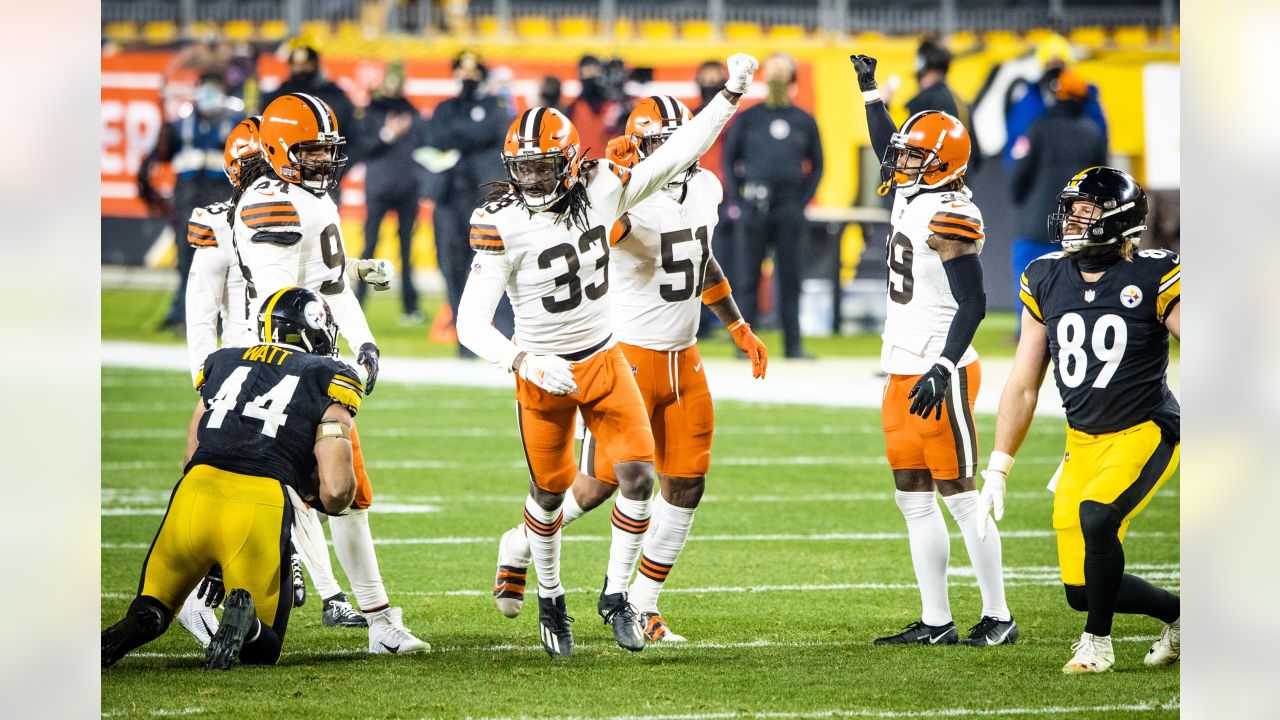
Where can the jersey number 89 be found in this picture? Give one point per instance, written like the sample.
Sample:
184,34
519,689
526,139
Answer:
1110,336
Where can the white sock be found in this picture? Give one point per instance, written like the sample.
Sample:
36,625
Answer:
308,540
542,528
930,553
667,534
984,554
630,522
354,544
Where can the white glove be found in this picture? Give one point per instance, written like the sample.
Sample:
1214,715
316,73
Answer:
991,499
376,272
742,68
549,372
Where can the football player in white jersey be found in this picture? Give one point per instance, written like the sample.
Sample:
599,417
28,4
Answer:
288,232
663,271
216,292
936,302
543,239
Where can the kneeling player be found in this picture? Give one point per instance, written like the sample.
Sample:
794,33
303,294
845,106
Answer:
663,267
272,415
1104,311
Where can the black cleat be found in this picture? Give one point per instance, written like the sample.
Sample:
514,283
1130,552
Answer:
143,624
990,631
299,585
238,619
622,615
338,612
553,626
919,633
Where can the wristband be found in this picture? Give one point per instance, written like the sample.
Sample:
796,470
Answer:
731,327
1000,462
871,96
716,293
515,364
944,362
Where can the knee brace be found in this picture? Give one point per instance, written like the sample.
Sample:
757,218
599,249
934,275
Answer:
1100,525
1077,598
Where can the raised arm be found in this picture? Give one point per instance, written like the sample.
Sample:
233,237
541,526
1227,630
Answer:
879,123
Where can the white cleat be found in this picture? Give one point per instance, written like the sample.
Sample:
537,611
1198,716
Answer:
1093,655
198,619
1168,647
389,636
514,556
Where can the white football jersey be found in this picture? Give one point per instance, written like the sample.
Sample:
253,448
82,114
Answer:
215,287
287,236
921,305
660,262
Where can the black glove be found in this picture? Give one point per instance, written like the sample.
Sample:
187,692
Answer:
865,65
368,357
211,589
926,396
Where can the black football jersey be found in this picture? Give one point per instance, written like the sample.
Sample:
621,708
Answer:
262,406
1107,339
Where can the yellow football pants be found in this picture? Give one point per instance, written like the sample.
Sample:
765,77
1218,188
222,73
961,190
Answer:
240,522
1122,468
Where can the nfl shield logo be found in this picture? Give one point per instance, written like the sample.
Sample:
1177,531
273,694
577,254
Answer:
1089,295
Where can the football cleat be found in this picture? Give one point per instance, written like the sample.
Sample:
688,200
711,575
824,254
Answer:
657,630
513,566
1093,654
1168,647
299,585
990,631
389,636
919,633
622,615
338,612
198,619
145,621
238,619
553,626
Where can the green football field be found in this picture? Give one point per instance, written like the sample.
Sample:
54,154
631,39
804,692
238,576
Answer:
798,559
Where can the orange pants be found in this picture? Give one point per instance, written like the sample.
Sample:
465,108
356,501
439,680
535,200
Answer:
364,489
611,408
674,388
947,448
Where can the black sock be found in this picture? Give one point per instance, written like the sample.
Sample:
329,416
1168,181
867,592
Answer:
262,650
1103,564
1139,597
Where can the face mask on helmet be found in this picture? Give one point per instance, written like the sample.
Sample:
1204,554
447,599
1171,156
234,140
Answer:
540,179
903,165
302,320
319,164
1081,223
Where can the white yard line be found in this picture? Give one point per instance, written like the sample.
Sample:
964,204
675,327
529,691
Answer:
1056,710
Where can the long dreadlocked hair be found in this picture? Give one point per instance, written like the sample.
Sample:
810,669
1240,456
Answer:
251,170
572,207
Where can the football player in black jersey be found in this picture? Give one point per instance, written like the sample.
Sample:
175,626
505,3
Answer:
275,416
1103,311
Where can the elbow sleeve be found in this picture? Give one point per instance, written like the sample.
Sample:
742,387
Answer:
880,126
964,276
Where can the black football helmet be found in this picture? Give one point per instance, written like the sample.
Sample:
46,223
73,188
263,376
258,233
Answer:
299,317
1121,200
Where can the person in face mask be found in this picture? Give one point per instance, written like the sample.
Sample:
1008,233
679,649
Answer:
472,126
391,130
306,76
772,165
595,112
193,146
549,93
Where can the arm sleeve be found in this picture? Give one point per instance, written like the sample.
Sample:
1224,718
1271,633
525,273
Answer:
880,126
964,275
205,287
485,287
685,146
352,324
732,153
815,161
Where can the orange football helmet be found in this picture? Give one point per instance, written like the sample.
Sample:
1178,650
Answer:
652,121
542,155
243,149
931,150
299,135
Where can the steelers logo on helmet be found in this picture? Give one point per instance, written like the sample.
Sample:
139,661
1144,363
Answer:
315,315
930,151
542,155
653,120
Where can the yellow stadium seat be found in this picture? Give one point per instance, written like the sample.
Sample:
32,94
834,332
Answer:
238,30
315,31
160,32
350,30
202,29
1091,37
121,32
576,26
962,40
657,31
1131,37
868,37
275,30
1035,36
487,26
535,27
742,32
1175,36
997,39
787,32
623,29
697,30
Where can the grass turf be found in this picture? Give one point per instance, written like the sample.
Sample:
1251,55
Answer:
769,633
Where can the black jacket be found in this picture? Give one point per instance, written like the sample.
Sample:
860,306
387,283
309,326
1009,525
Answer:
390,170
1059,144
476,128
769,146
